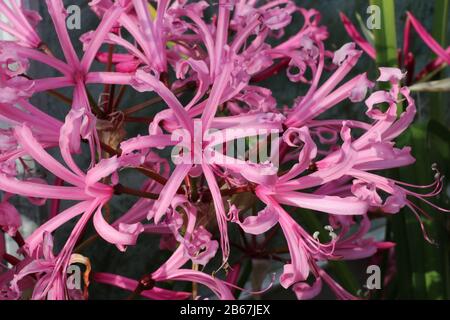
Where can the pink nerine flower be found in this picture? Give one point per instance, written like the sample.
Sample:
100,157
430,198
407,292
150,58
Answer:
406,57
240,162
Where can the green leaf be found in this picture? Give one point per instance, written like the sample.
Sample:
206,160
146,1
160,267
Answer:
386,35
439,146
439,32
438,135
440,21
366,32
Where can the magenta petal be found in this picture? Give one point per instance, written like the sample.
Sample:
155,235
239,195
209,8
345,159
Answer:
356,36
428,39
390,74
328,204
145,142
126,235
34,149
38,190
168,192
220,211
34,240
58,14
304,291
10,220
146,82
130,285
218,286
262,222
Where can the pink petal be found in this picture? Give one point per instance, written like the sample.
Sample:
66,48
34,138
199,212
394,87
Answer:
38,190
220,210
356,36
126,235
216,285
428,39
328,204
34,149
262,222
130,285
58,14
34,240
167,193
304,291
146,82
10,220
390,74
146,142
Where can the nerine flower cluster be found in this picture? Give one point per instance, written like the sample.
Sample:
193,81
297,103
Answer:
210,65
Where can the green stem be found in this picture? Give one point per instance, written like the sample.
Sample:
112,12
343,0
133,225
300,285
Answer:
386,35
339,268
439,32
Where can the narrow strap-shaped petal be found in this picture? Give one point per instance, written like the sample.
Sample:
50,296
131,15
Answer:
15,116
428,39
169,190
220,210
341,93
109,78
18,25
304,291
223,21
130,285
215,97
119,237
102,169
306,155
147,82
243,35
21,11
37,236
330,168
49,120
52,83
264,174
201,69
406,118
145,142
10,220
70,137
431,67
175,261
262,222
218,286
115,39
328,204
298,269
35,150
43,58
155,48
262,124
58,13
39,190
356,36
14,32
352,56
108,21
323,99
